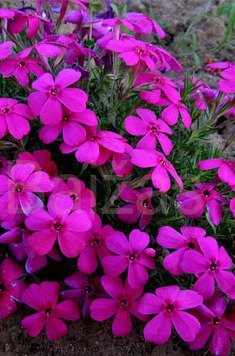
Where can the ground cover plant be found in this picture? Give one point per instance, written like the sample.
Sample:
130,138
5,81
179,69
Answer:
112,202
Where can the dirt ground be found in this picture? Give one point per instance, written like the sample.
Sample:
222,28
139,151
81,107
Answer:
182,20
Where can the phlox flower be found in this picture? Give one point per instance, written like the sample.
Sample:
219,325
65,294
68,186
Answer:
123,303
139,205
20,67
232,206
14,118
96,249
59,223
152,129
162,168
227,84
181,242
170,305
160,86
11,287
70,126
41,159
44,299
210,265
18,188
121,162
172,112
6,49
216,326
85,288
193,203
21,20
98,146
226,169
50,95
133,255
83,198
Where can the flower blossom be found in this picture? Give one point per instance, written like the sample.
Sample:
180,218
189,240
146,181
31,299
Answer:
6,49
44,299
170,305
152,129
210,265
41,159
139,205
227,84
123,303
172,112
22,19
193,203
50,95
181,242
162,168
133,255
59,223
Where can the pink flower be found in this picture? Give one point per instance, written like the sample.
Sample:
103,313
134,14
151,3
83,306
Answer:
17,188
47,101
20,67
70,126
170,303
139,205
193,203
211,264
85,288
59,223
216,326
41,159
172,112
162,168
171,239
121,162
226,168
11,287
151,128
83,198
133,255
232,206
14,118
44,299
98,146
123,303
6,49
96,249
227,84
22,19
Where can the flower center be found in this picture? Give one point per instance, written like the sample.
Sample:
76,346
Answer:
88,289
65,118
48,311
19,188
153,129
132,256
216,320
96,241
22,64
139,51
123,302
57,226
213,266
5,111
73,196
206,193
163,163
2,287
145,203
53,92
191,245
170,308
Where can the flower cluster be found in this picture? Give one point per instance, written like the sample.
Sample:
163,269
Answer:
106,95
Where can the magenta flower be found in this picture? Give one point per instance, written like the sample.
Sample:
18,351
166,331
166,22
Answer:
210,265
226,168
41,159
170,303
139,205
14,118
133,255
123,303
21,66
232,206
47,101
23,19
59,223
172,112
193,203
98,146
216,326
162,168
6,49
11,287
17,188
121,162
96,249
83,198
171,239
44,299
227,84
85,289
152,130
70,126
